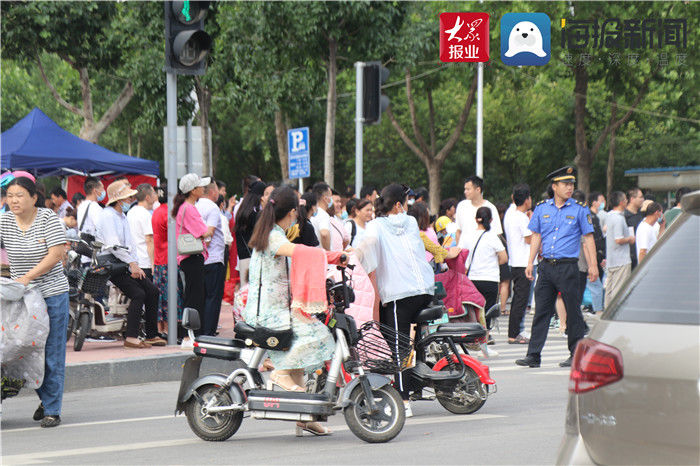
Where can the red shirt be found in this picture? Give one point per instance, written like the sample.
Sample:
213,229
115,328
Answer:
159,220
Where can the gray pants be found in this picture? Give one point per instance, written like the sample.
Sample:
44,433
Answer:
614,278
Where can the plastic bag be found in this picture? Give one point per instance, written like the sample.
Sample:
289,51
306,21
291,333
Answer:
25,328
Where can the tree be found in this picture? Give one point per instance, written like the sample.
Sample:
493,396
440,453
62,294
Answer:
78,33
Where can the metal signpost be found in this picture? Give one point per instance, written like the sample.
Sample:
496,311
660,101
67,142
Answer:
359,69
171,168
299,155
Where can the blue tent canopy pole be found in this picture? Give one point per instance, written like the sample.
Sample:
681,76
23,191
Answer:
38,145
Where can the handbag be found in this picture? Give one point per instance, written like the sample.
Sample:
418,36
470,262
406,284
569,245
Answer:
187,244
265,337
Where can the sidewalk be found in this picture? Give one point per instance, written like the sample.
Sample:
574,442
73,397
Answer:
110,364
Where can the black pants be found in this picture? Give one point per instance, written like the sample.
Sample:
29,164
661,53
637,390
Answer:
582,277
521,292
214,275
194,295
399,315
489,290
556,278
142,293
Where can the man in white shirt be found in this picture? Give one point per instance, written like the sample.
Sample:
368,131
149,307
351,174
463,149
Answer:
139,218
465,218
60,201
518,238
649,229
322,221
94,193
113,230
214,270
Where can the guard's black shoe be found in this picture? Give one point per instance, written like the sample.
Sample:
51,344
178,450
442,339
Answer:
567,362
529,361
39,413
50,421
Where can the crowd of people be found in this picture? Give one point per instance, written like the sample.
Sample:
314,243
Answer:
401,246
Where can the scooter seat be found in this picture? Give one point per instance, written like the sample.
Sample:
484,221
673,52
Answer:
429,313
243,330
465,330
209,340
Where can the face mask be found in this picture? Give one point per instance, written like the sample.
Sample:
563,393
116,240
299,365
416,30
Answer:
411,201
602,206
294,222
125,207
344,215
315,213
101,196
330,204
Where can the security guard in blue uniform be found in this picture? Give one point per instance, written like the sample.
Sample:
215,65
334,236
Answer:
557,225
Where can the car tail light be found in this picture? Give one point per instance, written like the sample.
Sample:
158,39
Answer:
595,365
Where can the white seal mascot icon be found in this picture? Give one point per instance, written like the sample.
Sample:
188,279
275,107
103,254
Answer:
525,37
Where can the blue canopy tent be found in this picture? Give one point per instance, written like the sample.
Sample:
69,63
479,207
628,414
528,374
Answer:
38,145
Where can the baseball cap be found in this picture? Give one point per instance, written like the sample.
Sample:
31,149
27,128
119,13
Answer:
192,181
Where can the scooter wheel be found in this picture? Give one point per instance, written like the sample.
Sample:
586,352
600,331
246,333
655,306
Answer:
382,426
467,396
83,327
215,427
69,328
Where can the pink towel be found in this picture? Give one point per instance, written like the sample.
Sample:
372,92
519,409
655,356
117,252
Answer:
308,278
458,287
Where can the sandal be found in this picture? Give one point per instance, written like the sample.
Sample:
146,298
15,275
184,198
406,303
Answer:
140,344
285,382
519,340
313,428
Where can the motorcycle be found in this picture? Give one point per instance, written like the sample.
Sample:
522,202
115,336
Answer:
88,314
214,404
460,382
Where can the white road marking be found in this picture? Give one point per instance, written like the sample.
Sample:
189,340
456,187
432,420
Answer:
93,423
41,457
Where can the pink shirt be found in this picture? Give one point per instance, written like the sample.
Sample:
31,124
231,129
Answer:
430,233
189,222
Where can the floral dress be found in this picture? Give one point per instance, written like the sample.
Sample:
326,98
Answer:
312,344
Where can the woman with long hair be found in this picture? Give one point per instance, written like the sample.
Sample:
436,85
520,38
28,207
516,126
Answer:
270,301
35,243
486,253
188,220
245,220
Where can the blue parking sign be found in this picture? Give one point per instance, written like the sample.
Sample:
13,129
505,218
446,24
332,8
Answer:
299,155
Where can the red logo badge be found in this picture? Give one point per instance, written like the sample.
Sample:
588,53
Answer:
464,37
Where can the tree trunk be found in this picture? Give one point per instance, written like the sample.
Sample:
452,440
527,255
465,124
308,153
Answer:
281,134
138,145
331,105
204,99
434,185
583,159
611,154
128,140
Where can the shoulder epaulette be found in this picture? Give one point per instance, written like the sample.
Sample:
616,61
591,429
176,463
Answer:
581,204
541,202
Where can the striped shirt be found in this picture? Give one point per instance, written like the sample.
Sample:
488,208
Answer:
26,249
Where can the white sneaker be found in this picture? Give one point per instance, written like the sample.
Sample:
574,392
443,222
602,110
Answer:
186,344
407,406
487,352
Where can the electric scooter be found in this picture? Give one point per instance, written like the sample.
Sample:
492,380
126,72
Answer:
460,382
215,404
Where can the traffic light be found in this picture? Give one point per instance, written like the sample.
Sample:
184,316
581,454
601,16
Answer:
186,43
373,101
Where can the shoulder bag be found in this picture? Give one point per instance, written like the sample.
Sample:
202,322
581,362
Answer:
187,244
265,337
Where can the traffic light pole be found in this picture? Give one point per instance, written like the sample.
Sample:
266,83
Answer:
171,175
359,70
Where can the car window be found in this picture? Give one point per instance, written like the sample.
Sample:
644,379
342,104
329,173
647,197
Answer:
665,288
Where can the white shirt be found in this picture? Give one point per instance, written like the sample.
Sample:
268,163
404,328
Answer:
211,215
359,232
646,236
515,222
113,230
465,218
93,216
139,219
321,221
228,237
483,260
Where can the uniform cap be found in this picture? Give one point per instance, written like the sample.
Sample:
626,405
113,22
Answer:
567,173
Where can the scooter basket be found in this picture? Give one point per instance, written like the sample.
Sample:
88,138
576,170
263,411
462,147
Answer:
383,350
95,280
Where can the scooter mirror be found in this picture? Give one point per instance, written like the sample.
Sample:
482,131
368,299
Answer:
493,312
190,319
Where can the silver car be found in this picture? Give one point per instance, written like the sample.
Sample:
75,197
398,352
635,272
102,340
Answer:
634,384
